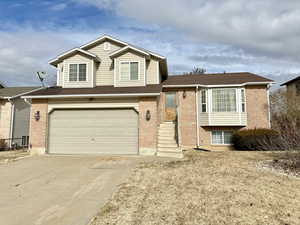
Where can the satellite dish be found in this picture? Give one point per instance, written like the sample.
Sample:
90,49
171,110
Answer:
42,75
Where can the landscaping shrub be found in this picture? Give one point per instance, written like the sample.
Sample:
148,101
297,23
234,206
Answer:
257,139
3,144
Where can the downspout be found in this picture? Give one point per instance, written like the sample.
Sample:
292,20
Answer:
12,118
197,116
268,99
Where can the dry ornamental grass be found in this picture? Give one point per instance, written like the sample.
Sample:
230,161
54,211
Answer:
205,188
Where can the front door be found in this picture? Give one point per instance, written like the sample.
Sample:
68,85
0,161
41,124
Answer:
170,106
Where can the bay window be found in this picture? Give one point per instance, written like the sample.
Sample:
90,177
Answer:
203,101
77,72
224,100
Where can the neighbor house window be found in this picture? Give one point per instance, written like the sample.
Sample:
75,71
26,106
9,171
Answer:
243,102
77,72
221,137
224,100
203,101
129,71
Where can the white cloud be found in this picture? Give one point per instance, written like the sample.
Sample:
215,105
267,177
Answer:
59,7
268,27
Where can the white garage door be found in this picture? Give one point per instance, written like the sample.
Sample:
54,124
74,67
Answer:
93,131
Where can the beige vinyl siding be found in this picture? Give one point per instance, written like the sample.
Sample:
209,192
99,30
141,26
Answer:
105,69
152,71
21,120
5,118
93,131
130,57
77,59
59,74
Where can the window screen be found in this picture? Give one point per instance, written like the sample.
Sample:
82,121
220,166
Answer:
224,100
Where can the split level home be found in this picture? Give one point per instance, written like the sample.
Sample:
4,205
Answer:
14,116
113,97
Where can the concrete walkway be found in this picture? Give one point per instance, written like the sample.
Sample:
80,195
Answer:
66,190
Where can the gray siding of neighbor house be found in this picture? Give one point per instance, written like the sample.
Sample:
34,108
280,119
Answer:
21,120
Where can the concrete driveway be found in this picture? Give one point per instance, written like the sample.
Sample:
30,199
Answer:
67,190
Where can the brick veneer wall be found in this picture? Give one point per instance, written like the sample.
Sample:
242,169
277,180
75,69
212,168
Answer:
257,107
148,129
187,117
38,129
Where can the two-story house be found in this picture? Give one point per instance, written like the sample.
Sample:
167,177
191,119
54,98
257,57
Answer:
115,98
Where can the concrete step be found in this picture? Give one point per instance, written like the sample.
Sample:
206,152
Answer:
167,145
167,126
164,131
167,141
168,149
170,154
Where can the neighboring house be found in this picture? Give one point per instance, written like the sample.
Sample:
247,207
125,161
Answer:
116,98
293,91
14,115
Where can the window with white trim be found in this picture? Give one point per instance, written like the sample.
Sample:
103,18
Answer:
129,71
203,100
243,102
77,72
224,100
221,137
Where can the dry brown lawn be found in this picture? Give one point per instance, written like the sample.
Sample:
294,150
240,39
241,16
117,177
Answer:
205,188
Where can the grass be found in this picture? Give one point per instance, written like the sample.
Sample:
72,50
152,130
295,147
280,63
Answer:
205,188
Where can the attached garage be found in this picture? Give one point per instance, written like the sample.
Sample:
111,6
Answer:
93,131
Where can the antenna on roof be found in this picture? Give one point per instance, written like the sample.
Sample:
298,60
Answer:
42,75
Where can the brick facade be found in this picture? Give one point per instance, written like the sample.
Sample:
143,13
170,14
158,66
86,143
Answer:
38,129
148,129
257,107
187,117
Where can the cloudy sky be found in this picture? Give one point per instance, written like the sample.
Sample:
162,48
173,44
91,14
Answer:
230,35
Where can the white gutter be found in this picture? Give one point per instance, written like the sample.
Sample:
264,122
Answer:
221,85
197,116
91,95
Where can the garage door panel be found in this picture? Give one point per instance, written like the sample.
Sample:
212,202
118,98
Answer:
93,131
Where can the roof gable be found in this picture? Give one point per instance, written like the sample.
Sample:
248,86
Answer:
69,53
291,81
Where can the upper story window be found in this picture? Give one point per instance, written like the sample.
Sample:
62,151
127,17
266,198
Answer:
224,100
106,46
129,71
203,100
77,72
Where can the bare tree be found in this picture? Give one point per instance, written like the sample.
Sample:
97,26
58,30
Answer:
285,115
196,71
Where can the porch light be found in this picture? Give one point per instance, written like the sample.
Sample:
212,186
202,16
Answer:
184,94
37,116
148,115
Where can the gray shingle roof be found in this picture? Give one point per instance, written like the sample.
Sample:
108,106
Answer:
13,91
